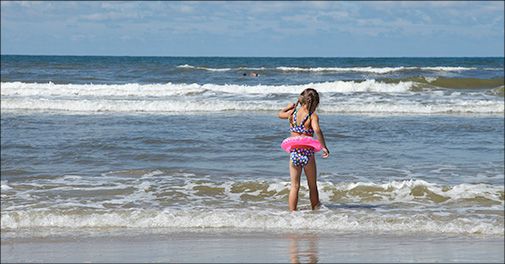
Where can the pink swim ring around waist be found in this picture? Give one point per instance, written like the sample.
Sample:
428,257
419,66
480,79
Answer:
300,141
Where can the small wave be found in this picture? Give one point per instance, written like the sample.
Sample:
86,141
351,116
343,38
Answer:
193,188
445,68
418,189
386,85
249,219
170,89
500,91
367,96
493,69
369,69
150,199
99,90
390,192
379,70
4,186
452,83
362,106
186,66
340,69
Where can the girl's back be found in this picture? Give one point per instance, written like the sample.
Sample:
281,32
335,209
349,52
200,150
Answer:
300,122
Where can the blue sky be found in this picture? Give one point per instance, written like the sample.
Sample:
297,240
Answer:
278,29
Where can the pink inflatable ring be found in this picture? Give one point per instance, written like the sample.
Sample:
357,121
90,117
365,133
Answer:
300,141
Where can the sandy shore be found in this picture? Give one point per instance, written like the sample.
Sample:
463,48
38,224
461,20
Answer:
222,247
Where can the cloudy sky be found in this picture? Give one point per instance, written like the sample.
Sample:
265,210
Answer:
279,29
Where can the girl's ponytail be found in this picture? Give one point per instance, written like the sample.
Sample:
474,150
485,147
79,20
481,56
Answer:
310,103
310,97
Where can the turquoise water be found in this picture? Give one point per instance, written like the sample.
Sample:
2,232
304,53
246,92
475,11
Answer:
96,143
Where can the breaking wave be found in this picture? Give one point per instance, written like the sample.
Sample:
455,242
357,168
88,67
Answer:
369,69
366,96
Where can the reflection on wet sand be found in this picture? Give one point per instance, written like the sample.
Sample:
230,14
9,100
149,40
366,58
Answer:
303,248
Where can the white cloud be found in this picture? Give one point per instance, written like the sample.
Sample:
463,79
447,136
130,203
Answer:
32,3
283,18
111,15
186,9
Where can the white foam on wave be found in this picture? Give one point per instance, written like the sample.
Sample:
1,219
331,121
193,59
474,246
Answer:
145,210
186,66
379,70
416,107
135,106
98,90
4,186
324,220
150,186
369,69
170,89
401,191
349,69
363,106
368,96
445,68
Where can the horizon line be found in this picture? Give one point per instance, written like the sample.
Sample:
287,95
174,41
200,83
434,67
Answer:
220,56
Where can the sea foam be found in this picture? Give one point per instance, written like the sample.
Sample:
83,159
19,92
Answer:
369,96
369,69
170,89
324,220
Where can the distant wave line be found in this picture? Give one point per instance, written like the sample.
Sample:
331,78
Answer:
369,69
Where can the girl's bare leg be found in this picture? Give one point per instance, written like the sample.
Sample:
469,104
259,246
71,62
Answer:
311,173
295,172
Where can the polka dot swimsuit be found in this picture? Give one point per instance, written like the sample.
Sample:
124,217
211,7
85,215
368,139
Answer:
301,156
301,128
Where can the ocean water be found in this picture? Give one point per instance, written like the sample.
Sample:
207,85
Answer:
161,143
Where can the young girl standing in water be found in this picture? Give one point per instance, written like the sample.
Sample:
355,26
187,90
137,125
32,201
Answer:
302,157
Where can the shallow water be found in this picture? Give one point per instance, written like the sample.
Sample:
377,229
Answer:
396,173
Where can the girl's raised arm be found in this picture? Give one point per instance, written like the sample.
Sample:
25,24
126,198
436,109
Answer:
286,111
